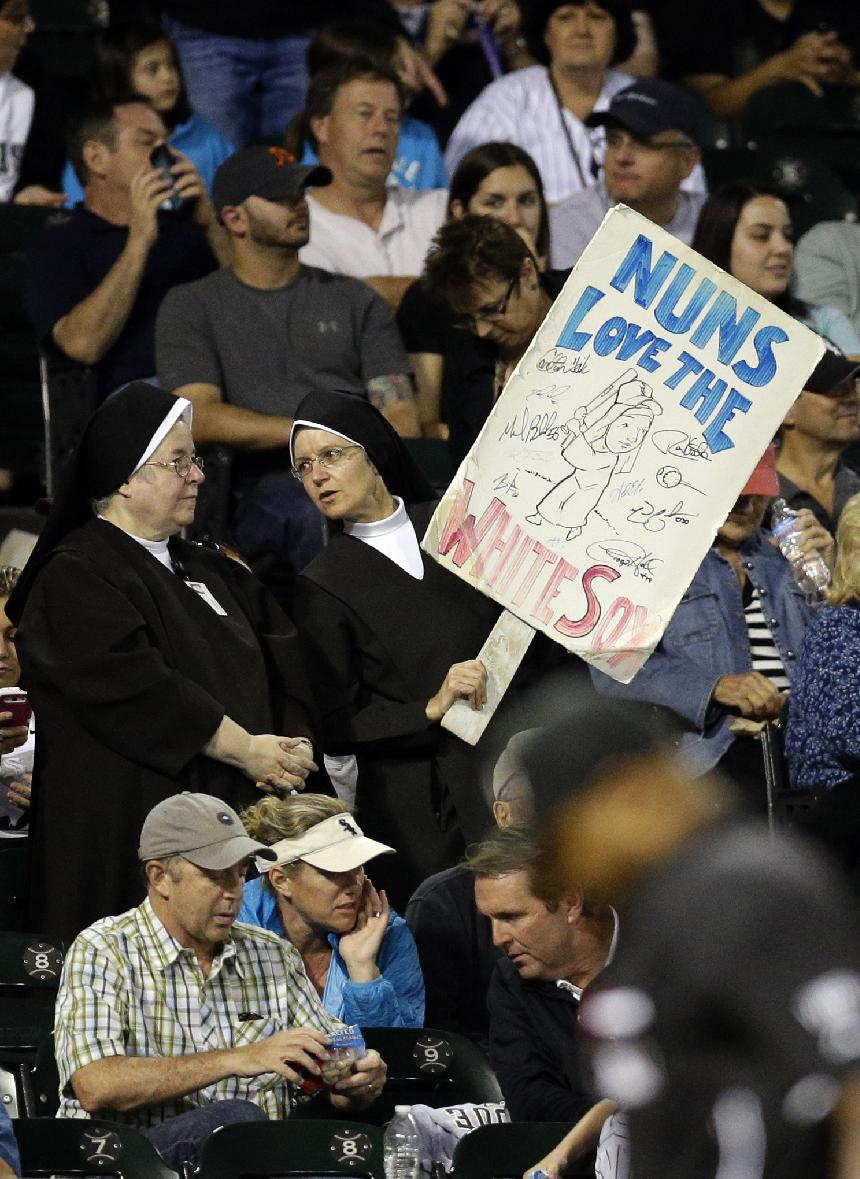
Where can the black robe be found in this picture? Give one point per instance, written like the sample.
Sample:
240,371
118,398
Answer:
378,644
130,672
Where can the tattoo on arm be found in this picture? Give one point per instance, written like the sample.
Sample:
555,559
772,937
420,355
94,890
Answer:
392,389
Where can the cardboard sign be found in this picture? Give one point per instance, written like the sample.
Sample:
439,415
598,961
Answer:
620,443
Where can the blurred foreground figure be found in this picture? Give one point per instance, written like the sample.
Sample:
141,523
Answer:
728,1024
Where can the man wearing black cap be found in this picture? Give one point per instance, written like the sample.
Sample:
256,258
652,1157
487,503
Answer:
815,433
173,1018
652,133
98,275
247,343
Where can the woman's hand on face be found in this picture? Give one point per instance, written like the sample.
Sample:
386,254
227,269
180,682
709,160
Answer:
360,947
464,681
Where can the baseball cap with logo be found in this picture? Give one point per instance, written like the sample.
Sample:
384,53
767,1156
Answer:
200,828
650,106
337,844
264,171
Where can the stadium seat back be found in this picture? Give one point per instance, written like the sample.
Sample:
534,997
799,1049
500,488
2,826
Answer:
254,1150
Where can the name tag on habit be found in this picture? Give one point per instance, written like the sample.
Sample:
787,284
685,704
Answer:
205,593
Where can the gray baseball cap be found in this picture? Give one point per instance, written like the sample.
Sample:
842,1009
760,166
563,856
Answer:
201,829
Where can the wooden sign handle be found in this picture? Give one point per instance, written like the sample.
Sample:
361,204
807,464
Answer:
501,654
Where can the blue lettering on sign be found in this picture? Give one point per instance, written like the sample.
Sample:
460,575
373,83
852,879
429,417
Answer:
682,306
637,266
570,337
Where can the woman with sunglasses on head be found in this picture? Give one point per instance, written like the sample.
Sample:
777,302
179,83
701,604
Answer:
358,953
390,640
157,665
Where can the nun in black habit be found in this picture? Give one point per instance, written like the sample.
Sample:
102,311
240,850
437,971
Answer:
390,640
154,665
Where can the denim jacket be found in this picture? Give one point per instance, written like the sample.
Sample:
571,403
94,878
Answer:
707,638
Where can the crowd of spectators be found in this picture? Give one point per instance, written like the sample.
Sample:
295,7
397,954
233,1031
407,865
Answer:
315,240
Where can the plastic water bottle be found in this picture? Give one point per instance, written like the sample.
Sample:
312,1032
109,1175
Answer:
401,1146
809,569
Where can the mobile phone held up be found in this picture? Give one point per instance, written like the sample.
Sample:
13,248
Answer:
163,159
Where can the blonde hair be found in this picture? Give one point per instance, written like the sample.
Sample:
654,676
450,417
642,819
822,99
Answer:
845,586
273,818
8,579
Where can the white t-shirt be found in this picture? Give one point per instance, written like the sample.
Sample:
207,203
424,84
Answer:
345,245
16,116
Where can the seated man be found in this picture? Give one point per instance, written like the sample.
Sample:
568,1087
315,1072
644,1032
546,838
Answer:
98,275
173,1018
246,343
817,430
359,226
18,115
731,51
554,945
652,132
454,940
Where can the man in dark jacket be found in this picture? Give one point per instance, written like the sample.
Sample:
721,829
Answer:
554,945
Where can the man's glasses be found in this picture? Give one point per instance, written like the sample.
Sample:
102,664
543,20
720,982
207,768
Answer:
180,466
487,314
326,458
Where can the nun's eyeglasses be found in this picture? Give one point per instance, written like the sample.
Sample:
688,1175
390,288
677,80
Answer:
326,458
180,466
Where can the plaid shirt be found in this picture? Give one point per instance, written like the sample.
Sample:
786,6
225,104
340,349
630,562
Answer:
129,989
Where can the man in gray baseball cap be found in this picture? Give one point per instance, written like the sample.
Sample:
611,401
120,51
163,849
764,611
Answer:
172,1017
200,829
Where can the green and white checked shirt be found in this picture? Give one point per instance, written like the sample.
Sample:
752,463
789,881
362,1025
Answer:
129,989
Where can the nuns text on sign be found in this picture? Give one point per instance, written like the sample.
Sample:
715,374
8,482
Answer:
620,443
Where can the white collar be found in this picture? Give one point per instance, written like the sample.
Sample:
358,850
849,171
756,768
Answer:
397,519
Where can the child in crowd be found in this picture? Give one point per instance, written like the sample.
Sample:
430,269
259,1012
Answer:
139,58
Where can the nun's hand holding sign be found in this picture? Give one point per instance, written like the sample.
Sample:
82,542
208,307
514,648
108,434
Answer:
464,681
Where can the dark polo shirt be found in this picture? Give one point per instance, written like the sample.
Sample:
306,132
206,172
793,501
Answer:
71,257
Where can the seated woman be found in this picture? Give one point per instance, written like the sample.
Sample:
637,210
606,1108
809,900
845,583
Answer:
455,369
359,955
746,229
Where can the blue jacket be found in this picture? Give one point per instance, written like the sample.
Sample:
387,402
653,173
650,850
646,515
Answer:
707,638
393,1000
198,139
823,739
